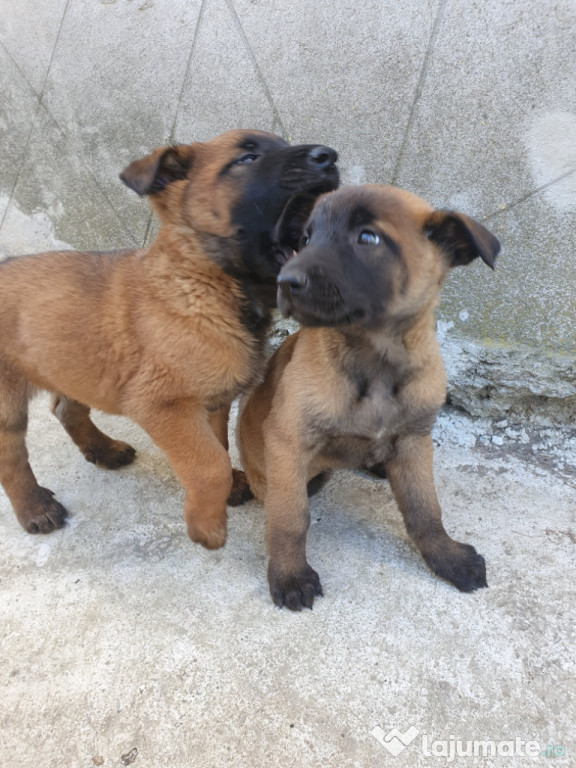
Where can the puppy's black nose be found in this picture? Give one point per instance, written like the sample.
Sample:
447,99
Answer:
294,282
322,157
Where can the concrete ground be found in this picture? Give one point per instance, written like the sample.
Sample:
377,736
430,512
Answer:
123,643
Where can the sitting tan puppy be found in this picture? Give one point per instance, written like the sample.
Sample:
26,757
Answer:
361,384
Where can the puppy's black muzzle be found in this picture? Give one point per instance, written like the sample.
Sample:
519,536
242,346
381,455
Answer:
322,157
309,171
292,284
309,167
310,294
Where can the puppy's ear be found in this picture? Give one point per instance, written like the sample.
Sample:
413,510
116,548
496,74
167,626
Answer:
462,239
154,172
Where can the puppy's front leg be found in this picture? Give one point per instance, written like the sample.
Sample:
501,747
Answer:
292,581
412,482
201,463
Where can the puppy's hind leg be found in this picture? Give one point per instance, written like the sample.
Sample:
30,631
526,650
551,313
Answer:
240,492
95,446
36,508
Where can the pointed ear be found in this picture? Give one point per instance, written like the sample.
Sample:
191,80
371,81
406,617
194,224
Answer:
154,172
462,239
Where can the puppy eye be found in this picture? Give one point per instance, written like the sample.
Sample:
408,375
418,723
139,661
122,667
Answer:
367,237
304,240
248,158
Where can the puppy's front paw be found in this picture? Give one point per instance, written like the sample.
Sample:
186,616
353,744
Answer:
43,514
210,533
464,568
296,590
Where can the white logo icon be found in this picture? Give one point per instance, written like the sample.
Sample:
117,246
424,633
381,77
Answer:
395,741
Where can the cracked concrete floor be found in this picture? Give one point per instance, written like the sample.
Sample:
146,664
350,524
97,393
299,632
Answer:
122,643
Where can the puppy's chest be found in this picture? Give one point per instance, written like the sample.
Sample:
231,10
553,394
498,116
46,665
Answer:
372,411
213,358
364,431
241,375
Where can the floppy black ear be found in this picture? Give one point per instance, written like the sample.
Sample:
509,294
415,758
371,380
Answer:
463,239
155,171
288,231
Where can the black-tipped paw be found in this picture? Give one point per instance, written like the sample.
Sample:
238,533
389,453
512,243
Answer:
379,470
110,455
296,590
240,492
466,569
42,514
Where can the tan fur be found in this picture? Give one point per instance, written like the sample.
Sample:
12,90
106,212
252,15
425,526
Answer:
158,335
309,415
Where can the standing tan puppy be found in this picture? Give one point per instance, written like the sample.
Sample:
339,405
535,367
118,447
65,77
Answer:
167,336
360,386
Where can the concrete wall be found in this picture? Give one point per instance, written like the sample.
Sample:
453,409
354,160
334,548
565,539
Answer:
469,103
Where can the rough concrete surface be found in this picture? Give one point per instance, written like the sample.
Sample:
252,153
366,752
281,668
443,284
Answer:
119,635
